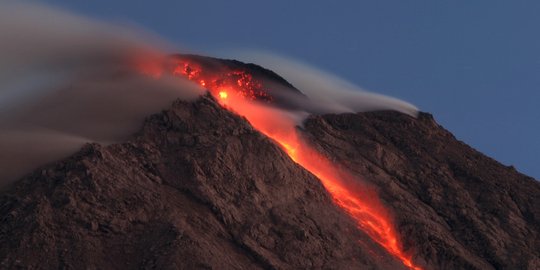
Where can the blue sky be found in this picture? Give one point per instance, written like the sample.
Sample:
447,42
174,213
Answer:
475,65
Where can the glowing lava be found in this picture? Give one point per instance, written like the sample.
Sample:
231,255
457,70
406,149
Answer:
241,81
359,202
236,90
223,94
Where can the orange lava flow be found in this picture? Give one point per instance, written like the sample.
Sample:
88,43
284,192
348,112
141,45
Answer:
369,214
359,202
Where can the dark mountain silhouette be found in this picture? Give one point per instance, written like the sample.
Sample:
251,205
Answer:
199,188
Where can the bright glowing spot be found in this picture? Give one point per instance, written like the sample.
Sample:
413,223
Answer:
223,95
291,151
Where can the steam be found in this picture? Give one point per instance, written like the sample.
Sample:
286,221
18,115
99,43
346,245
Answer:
326,92
66,80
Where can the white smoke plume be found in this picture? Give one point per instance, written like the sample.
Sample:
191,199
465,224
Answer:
66,80
326,92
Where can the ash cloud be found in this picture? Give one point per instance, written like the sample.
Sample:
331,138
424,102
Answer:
66,80
326,93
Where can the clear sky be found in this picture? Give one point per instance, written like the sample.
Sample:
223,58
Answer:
475,64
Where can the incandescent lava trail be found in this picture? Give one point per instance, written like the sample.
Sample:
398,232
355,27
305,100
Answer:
237,90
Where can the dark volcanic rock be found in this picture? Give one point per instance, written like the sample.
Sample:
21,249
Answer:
196,188
456,207
199,188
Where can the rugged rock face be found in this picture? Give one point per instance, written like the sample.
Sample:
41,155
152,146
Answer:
456,207
196,188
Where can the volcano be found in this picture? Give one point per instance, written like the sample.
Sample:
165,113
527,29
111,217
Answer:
209,185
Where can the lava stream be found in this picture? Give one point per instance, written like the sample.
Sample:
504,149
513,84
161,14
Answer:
369,214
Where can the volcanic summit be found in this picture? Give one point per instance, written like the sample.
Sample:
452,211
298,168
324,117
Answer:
218,183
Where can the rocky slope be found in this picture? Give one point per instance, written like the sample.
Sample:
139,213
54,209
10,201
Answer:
456,207
199,188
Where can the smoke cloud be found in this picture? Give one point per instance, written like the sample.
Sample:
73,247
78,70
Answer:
326,93
66,80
